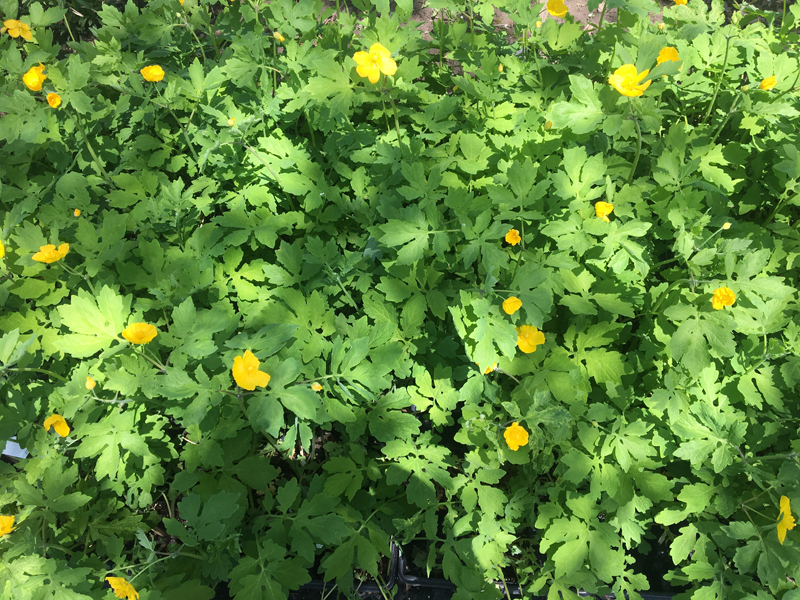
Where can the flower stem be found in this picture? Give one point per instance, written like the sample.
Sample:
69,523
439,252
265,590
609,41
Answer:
602,16
43,371
396,120
183,130
719,79
89,147
639,145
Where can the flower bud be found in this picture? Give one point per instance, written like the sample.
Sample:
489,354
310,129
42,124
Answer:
726,226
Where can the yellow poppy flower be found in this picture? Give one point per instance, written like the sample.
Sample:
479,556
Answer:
511,305
626,81
371,64
278,37
77,212
90,383
528,337
603,209
722,297
139,333
557,8
54,100
680,2
246,373
152,73
6,524
317,387
785,519
2,250
122,588
48,254
34,78
58,423
666,54
512,237
516,436
768,83
17,29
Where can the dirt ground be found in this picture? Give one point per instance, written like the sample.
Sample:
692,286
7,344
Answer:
577,8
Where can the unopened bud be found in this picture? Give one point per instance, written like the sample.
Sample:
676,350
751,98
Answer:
500,68
538,24
548,125
231,122
661,27
726,226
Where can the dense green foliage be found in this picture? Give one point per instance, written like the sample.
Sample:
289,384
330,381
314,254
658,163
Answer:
265,197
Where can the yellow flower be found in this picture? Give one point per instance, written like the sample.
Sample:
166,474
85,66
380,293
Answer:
371,64
603,209
246,373
122,588
538,24
516,436
557,8
626,80
58,423
231,122
528,337
511,305
768,83
77,212
48,254
152,73
726,226
90,383
512,237
34,78
661,27
278,37
488,369
181,1
6,524
785,519
54,100
680,2
317,387
139,333
722,297
2,250
17,29
500,68
666,54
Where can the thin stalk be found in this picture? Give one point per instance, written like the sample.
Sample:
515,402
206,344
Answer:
639,145
613,55
274,60
789,89
441,40
719,79
31,370
73,37
183,130
535,52
211,34
602,16
396,120
84,277
89,147
728,116
194,35
503,579
338,28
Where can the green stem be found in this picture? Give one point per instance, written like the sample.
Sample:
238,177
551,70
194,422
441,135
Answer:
728,116
84,277
789,89
638,146
211,34
719,79
536,60
613,55
183,130
43,371
602,16
396,120
89,147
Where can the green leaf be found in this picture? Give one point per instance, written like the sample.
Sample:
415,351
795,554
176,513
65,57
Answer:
95,322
